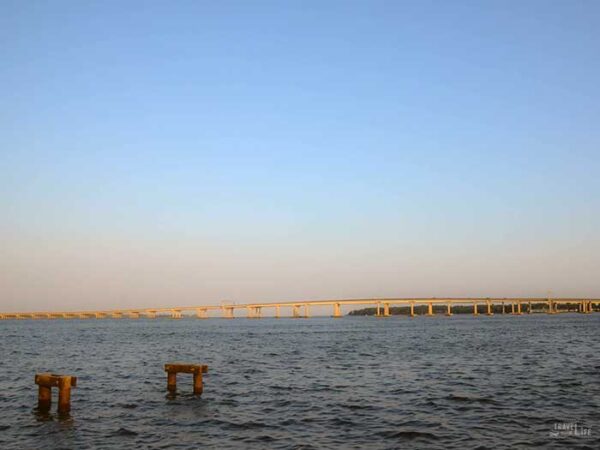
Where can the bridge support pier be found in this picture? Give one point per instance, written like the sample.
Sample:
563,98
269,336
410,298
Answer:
277,311
430,309
529,308
201,313
337,310
449,311
412,309
296,311
386,310
306,311
519,312
489,308
503,309
475,311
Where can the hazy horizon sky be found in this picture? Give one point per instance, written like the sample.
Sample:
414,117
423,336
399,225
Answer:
190,152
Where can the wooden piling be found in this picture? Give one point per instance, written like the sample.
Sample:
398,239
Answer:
64,395
198,385
171,381
44,398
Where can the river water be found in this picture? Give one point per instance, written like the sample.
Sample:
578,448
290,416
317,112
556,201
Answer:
356,382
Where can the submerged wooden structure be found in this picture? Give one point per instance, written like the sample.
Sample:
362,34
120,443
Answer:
64,383
197,370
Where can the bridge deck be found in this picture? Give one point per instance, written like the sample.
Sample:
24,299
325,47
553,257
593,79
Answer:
253,310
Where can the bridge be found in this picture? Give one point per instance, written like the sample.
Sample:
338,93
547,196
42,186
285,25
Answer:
302,309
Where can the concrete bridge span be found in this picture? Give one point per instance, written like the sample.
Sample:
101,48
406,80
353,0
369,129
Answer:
302,308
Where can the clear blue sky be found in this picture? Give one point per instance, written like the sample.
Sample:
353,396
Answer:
189,152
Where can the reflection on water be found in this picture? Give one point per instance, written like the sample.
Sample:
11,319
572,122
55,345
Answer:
438,382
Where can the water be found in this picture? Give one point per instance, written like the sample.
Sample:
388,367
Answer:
357,382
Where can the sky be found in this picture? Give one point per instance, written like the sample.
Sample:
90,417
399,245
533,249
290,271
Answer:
164,153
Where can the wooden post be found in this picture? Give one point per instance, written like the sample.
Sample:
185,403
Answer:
44,398
172,381
198,386
64,395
